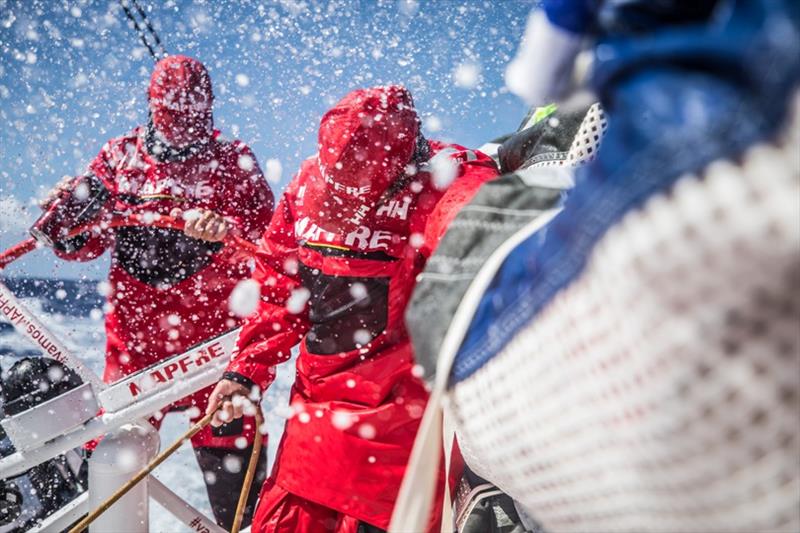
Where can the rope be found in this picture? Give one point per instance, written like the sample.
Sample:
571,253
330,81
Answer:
143,473
250,473
15,252
240,244
150,27
140,30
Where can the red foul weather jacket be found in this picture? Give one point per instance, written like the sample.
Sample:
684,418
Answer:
167,291
342,295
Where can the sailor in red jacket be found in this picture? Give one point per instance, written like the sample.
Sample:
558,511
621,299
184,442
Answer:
168,290
337,268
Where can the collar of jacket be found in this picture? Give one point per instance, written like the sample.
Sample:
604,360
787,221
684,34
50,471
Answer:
163,152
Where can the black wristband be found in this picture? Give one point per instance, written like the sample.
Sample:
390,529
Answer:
240,379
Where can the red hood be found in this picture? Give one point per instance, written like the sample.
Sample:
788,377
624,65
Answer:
180,100
365,142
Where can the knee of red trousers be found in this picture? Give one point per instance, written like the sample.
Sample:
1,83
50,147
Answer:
279,511
275,511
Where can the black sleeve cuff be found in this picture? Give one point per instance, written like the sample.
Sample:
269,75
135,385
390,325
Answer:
240,379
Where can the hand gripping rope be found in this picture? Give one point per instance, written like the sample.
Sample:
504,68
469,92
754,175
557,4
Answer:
18,250
236,249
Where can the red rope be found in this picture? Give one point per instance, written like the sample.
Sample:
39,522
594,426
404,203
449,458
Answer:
17,251
28,245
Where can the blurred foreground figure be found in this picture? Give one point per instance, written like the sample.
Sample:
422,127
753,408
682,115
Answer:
168,289
538,162
633,364
350,235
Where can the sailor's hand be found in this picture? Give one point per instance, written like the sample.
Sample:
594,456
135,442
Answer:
229,400
205,225
55,191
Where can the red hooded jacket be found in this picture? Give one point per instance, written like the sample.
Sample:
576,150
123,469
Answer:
168,292
338,264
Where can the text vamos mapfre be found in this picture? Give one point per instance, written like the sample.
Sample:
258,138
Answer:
19,319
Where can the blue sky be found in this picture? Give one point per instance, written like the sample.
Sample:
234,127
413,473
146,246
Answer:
73,74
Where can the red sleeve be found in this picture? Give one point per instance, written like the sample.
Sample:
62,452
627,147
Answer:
99,240
474,169
268,336
247,199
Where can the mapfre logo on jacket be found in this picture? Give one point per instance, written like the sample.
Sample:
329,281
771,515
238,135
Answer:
362,239
138,174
